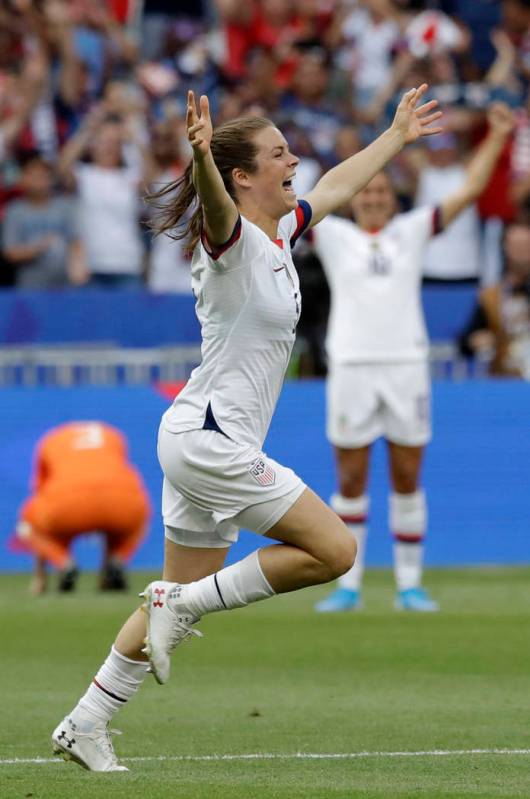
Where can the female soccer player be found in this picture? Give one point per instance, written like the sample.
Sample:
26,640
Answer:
245,220
378,382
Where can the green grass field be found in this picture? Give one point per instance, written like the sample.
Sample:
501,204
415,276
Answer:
276,679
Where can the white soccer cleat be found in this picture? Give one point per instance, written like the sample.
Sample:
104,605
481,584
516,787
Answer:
168,623
92,750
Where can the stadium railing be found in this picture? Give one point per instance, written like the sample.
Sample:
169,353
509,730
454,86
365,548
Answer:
110,365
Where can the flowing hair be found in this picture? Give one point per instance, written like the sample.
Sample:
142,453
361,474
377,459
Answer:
179,209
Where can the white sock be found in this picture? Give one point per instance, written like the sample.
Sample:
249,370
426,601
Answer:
233,587
353,513
408,520
115,683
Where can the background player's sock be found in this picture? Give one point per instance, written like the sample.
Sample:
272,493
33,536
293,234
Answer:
354,513
115,683
408,520
233,587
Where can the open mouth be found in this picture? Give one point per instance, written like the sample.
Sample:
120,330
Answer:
287,185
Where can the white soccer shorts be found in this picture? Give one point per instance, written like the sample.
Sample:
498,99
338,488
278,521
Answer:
213,486
370,401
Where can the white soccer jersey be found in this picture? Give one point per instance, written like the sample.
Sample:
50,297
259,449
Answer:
374,278
248,305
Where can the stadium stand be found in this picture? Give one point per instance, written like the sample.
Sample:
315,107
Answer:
73,73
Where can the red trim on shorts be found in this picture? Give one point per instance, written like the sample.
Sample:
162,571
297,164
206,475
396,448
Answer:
351,519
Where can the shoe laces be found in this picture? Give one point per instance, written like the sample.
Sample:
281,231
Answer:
103,740
181,631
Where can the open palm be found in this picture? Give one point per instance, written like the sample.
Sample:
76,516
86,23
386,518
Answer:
413,121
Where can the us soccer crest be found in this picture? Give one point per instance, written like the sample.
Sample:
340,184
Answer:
262,473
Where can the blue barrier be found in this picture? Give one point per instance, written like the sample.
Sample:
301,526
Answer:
476,471
140,319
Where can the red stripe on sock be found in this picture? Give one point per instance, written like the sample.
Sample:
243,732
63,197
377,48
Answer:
409,538
109,693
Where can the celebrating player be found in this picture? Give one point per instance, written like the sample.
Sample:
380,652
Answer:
83,482
377,346
245,219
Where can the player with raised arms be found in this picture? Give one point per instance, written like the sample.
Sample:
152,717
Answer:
245,218
378,381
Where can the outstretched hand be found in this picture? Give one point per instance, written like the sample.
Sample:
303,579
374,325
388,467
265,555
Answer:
413,121
200,129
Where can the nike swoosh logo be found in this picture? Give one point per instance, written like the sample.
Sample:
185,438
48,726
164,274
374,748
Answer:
280,268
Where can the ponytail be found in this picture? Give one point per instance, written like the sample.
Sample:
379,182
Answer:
180,211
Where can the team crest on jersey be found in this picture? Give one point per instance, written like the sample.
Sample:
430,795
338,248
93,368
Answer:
262,473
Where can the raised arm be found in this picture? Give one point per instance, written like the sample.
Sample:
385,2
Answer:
482,164
219,210
341,183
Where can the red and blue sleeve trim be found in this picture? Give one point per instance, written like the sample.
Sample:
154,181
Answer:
216,252
304,212
437,223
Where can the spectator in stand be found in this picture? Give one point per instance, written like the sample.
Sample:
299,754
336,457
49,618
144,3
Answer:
108,187
83,483
500,327
370,34
275,26
312,102
455,253
169,267
40,232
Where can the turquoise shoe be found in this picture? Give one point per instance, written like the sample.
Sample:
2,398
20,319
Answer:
341,599
415,599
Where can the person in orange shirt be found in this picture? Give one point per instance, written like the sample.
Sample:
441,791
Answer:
83,482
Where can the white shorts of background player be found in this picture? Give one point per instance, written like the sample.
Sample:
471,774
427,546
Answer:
366,401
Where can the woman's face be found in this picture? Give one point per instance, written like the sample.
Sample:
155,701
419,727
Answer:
107,145
375,205
270,186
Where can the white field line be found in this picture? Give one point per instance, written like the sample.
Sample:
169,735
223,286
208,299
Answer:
279,756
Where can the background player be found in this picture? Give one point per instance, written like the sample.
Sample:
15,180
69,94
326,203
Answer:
377,346
83,482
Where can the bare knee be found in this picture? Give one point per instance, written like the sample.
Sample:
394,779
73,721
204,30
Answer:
342,555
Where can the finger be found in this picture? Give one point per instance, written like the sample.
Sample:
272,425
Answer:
421,91
430,118
427,107
204,106
409,96
193,129
431,131
192,107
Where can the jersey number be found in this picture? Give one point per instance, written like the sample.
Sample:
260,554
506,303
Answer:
379,264
89,436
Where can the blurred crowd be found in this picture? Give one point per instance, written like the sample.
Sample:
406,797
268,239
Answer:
92,102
